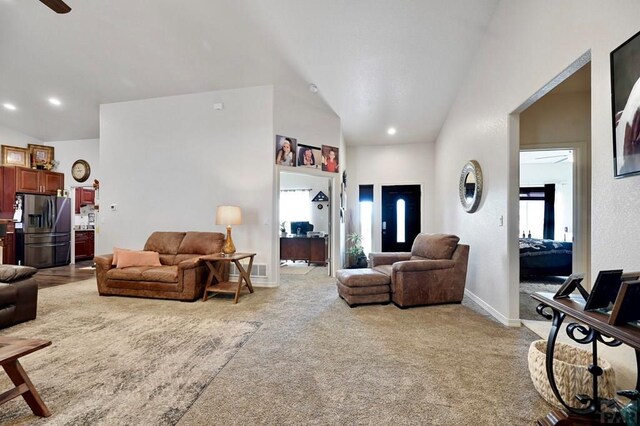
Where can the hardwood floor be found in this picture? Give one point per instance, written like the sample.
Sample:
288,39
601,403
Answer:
51,277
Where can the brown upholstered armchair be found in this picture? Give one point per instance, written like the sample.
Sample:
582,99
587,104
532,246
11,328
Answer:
435,270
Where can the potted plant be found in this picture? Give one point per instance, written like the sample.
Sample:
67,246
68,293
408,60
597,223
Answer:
357,258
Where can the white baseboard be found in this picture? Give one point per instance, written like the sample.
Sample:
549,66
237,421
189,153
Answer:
497,315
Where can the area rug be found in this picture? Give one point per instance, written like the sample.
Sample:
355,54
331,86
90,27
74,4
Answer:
114,366
295,270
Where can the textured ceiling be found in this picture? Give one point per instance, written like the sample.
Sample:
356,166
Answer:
377,63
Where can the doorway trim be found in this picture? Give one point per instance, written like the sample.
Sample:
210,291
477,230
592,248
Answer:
333,261
513,187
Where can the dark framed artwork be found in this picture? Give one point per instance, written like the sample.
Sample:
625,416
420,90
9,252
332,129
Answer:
309,156
626,307
625,102
286,149
571,283
330,159
605,290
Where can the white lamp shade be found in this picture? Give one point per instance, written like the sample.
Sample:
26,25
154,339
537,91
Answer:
228,215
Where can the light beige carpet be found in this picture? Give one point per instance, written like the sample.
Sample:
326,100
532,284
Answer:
316,361
110,364
293,269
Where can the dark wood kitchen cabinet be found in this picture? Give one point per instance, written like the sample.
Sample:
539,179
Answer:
31,181
311,250
38,181
84,244
84,196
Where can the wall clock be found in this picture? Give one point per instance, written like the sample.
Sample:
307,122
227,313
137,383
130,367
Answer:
80,170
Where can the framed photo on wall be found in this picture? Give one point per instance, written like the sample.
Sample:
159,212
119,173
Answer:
15,156
286,151
330,159
309,156
40,155
625,101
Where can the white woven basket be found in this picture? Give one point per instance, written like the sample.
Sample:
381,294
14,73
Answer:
570,371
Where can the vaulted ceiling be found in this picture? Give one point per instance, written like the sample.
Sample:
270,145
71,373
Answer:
377,63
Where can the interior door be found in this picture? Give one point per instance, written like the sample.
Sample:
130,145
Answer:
400,216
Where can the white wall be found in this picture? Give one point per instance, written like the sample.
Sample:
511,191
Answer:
319,218
169,162
13,138
67,152
390,165
528,43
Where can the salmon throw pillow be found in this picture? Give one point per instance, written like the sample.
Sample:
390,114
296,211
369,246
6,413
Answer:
116,252
138,258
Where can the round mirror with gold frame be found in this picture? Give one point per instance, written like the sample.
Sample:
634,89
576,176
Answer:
470,189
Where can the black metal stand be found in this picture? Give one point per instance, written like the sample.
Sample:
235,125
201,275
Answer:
589,335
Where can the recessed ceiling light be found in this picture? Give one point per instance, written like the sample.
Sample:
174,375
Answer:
7,105
55,101
391,131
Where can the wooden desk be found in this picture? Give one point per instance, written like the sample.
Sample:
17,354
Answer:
11,349
597,329
310,249
215,263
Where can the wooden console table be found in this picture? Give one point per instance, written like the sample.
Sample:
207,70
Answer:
11,349
593,327
216,263
310,249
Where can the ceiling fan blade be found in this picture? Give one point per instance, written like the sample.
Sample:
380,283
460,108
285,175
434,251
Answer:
551,156
57,6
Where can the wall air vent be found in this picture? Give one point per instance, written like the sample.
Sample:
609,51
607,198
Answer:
257,270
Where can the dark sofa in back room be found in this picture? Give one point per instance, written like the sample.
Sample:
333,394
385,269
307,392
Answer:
18,294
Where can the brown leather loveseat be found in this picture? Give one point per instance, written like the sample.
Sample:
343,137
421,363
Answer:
435,271
181,275
18,294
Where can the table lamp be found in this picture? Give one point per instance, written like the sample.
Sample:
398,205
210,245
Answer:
228,215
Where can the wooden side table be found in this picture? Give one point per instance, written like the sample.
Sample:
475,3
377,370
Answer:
215,263
12,348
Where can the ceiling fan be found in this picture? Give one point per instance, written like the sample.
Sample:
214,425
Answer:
57,6
562,157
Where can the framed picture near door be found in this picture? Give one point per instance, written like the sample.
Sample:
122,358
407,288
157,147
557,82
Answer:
330,159
625,100
309,156
286,151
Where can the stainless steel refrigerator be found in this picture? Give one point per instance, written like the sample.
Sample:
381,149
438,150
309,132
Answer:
43,236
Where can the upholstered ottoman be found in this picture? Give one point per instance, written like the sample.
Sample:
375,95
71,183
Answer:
363,286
